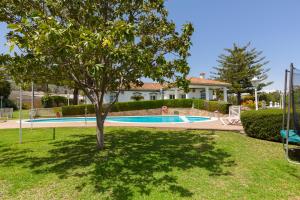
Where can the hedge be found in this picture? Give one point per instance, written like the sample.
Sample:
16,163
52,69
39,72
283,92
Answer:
211,106
53,101
7,103
77,109
263,124
141,105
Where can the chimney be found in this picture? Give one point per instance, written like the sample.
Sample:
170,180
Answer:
202,75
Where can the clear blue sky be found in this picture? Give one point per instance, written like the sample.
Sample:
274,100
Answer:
272,26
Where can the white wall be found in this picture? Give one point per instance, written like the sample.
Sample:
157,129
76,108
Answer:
126,96
194,93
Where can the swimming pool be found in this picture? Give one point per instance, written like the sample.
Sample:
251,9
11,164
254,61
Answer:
128,119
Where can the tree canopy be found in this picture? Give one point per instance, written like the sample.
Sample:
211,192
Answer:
238,66
99,45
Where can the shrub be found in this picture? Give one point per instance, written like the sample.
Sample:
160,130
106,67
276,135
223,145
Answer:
136,105
59,101
232,100
53,101
77,110
248,97
263,124
47,101
26,105
137,98
141,105
5,89
272,96
251,104
211,106
7,103
178,103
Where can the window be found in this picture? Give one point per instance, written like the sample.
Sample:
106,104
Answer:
202,95
183,96
137,96
194,90
172,96
152,97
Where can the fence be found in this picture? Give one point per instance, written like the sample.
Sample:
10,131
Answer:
6,112
42,112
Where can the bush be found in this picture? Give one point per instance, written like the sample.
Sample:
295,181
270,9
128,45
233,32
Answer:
251,104
5,89
247,98
7,103
141,105
232,100
47,101
77,110
53,101
272,96
263,124
137,98
178,103
59,101
211,106
26,105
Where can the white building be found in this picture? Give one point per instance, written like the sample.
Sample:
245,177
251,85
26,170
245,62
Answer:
200,88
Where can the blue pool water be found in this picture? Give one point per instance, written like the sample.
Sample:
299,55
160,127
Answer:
128,119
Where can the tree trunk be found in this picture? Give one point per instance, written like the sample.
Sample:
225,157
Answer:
100,136
100,128
75,96
239,98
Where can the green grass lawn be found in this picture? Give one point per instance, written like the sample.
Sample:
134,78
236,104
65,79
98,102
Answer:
143,164
25,114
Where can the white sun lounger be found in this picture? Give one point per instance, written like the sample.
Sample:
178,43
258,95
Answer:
234,117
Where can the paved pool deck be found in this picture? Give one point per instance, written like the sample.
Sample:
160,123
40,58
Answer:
210,125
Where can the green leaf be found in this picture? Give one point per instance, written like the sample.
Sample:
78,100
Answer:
11,47
12,26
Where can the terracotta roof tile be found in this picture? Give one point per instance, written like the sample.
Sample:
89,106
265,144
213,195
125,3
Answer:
202,81
148,86
194,81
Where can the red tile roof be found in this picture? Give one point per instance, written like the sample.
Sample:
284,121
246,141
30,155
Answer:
202,81
148,86
193,80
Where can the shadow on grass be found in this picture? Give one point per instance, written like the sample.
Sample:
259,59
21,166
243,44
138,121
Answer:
134,161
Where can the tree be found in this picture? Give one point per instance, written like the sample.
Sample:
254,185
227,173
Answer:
75,96
5,89
239,66
271,96
100,45
3,61
5,86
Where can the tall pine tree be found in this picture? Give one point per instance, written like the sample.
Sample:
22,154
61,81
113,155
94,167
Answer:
238,66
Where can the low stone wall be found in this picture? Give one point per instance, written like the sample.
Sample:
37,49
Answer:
171,111
137,112
194,112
